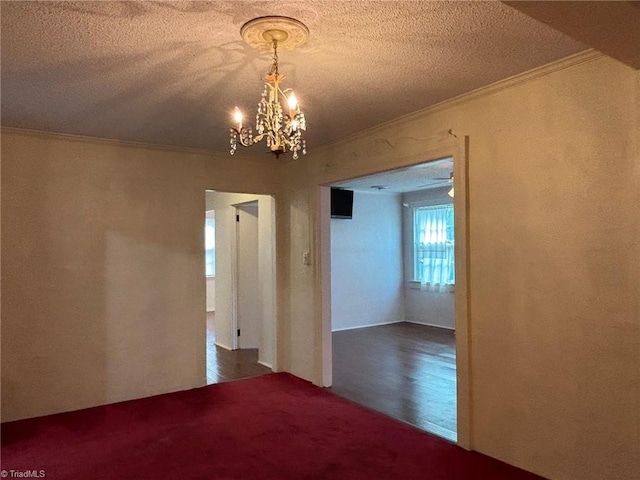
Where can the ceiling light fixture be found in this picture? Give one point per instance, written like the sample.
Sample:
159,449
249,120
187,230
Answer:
280,126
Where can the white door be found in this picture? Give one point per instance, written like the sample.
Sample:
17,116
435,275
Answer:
248,300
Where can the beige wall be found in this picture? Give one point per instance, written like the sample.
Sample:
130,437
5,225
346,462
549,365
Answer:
102,269
554,261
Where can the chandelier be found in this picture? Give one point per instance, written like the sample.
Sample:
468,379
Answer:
281,126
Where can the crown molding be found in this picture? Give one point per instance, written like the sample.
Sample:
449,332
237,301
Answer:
117,143
520,78
528,76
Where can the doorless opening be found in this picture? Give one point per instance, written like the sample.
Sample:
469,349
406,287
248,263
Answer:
456,153
242,336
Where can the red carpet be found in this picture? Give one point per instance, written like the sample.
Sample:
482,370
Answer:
271,427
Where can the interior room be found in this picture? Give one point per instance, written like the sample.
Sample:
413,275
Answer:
392,294
117,117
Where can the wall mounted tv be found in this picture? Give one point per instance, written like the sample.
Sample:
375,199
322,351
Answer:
341,203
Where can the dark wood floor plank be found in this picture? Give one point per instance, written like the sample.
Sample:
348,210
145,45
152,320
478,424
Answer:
403,370
224,365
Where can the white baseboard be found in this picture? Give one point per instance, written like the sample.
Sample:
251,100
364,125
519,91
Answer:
264,364
432,325
365,326
222,346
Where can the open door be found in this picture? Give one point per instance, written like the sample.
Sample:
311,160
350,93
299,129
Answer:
249,302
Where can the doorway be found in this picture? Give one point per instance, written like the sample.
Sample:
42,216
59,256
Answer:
392,292
243,326
456,150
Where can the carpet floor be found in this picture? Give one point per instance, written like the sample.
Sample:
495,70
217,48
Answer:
275,426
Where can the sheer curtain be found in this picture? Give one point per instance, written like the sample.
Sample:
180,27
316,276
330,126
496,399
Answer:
434,257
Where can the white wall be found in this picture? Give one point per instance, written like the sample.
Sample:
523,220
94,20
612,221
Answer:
366,263
210,281
211,294
420,306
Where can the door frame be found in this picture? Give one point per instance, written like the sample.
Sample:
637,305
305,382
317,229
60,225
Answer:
457,149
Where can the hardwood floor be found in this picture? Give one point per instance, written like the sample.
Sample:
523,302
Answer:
403,370
224,365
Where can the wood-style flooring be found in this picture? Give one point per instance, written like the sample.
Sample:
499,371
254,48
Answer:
403,370
225,365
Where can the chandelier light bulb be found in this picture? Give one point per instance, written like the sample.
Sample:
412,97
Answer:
293,103
237,116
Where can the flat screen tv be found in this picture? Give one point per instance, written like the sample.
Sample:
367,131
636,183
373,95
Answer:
341,203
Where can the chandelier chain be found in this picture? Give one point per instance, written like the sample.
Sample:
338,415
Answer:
274,67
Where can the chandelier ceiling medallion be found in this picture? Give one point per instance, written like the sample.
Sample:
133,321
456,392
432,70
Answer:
280,126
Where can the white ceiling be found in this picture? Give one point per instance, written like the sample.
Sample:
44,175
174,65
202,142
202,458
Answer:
171,72
420,177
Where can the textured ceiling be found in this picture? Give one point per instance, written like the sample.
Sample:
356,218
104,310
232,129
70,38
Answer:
411,179
613,27
171,72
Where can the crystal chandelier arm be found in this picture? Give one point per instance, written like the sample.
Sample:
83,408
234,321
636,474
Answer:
244,137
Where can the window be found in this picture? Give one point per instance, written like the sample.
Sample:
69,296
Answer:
433,245
210,247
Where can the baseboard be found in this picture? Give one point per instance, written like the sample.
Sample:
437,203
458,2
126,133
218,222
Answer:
366,326
222,346
264,364
432,325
